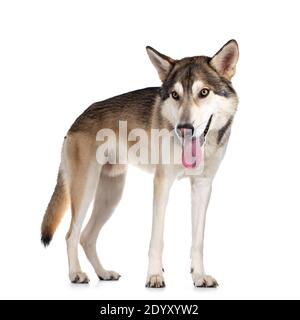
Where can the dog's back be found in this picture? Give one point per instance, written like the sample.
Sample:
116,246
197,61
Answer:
136,107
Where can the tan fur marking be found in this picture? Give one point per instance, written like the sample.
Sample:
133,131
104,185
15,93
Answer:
57,206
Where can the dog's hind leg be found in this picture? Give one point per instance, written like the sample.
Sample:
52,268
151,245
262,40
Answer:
82,176
107,197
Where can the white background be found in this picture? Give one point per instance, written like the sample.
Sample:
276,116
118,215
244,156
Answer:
57,57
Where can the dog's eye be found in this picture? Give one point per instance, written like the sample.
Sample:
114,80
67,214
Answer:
204,92
175,95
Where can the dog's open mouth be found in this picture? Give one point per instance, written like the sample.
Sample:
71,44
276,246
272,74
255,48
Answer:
192,152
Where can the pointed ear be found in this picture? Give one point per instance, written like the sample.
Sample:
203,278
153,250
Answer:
225,60
162,63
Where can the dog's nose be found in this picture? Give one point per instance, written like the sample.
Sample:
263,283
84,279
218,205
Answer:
185,130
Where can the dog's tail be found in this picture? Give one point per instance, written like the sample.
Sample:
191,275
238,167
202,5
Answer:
56,208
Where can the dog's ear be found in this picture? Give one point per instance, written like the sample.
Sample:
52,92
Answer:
162,63
225,60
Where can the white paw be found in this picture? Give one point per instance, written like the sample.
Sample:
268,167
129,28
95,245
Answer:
108,275
204,281
155,281
79,277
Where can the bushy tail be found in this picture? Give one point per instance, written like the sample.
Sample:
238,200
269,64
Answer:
56,208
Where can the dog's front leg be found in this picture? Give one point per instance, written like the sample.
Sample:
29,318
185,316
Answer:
163,180
201,190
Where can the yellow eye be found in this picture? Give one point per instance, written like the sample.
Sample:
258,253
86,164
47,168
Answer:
175,95
204,92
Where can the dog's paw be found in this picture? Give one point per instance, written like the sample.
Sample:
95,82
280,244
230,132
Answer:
204,281
155,281
108,275
79,277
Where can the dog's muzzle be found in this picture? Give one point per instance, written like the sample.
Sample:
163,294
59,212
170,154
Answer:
187,130
191,144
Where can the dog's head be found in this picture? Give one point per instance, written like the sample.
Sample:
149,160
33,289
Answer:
197,94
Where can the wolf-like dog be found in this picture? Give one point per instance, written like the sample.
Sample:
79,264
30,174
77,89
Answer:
196,103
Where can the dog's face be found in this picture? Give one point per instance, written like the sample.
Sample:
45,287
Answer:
197,91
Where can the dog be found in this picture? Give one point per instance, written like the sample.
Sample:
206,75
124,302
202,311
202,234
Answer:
196,103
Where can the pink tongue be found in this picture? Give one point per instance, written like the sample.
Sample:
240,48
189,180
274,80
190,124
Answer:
191,152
